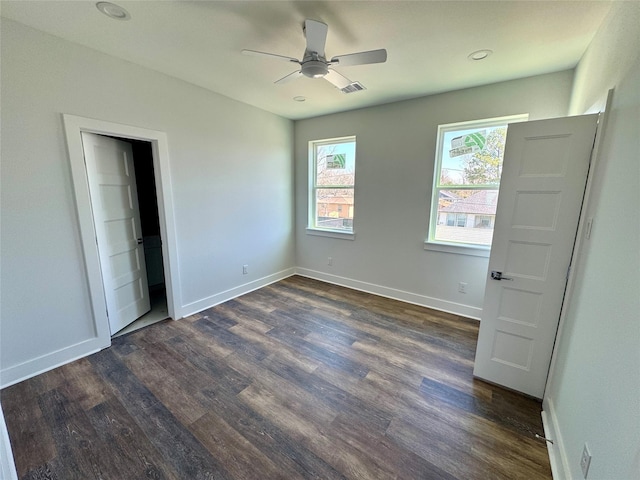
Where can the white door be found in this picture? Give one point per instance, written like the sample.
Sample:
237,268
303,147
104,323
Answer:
543,180
114,201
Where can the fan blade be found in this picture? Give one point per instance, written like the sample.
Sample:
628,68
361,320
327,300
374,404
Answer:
316,33
289,78
361,58
337,79
263,54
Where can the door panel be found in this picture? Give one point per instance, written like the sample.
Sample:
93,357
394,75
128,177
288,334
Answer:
114,200
544,174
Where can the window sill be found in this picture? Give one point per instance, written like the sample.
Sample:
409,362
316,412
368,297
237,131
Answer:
474,251
331,234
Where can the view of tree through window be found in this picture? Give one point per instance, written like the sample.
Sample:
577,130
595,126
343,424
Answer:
467,180
332,182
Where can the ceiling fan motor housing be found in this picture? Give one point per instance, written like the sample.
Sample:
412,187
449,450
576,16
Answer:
314,63
314,68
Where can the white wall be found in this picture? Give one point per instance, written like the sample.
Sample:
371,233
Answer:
231,168
7,467
394,174
593,395
607,59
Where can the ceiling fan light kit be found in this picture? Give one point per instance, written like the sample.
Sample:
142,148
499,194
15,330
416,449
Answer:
315,65
314,68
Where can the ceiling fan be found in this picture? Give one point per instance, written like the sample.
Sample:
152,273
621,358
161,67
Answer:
314,63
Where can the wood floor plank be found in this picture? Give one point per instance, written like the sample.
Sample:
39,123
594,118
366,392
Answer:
85,455
48,381
297,380
164,387
237,454
276,348
383,451
331,395
84,386
175,442
208,345
431,414
222,373
319,320
127,443
321,354
404,315
29,429
376,359
243,320
459,376
230,339
287,289
189,379
46,471
296,397
293,458
438,451
386,401
266,297
434,337
469,403
332,449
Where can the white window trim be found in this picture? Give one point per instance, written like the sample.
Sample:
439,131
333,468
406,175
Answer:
325,232
473,250
312,229
451,247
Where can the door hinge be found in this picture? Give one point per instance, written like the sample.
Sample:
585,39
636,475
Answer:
568,272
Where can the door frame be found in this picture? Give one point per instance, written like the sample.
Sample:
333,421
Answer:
73,126
583,225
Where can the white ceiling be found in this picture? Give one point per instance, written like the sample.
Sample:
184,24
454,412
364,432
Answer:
427,43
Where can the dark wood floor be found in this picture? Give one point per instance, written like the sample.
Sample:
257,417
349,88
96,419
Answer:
300,379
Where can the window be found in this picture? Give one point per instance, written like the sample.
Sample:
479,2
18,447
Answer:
484,221
467,174
332,181
456,220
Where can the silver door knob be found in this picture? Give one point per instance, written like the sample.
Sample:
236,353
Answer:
495,275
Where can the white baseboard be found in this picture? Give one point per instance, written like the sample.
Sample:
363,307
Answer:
7,465
414,298
557,453
38,365
218,298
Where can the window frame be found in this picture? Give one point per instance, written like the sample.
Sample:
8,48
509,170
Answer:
312,227
431,243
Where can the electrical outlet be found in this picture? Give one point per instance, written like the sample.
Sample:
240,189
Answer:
245,269
330,261
462,287
585,460
588,227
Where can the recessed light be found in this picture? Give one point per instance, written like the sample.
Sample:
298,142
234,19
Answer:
480,54
113,11
299,98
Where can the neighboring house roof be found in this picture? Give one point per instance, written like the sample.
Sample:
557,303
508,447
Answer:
446,195
483,202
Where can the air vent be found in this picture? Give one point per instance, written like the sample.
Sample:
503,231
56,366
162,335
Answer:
353,87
